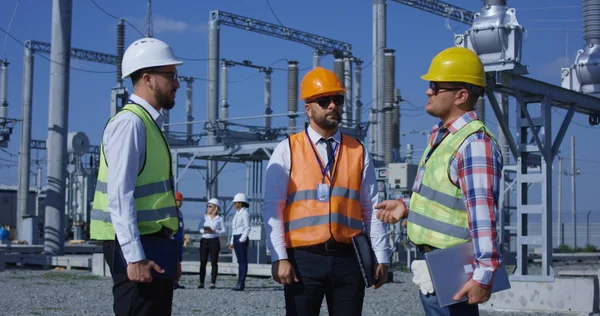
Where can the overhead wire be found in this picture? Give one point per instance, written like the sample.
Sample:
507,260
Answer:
9,25
272,11
115,17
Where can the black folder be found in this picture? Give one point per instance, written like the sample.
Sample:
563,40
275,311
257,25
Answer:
366,258
163,251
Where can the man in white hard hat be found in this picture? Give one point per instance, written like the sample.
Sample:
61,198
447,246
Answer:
134,209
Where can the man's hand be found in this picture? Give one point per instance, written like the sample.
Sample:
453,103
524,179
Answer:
283,272
474,292
391,211
229,246
140,271
381,275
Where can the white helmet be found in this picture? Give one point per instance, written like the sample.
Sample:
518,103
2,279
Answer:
214,201
145,53
240,197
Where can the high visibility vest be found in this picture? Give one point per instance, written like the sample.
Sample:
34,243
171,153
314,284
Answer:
308,221
154,197
438,215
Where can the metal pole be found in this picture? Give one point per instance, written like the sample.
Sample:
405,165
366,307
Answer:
292,95
268,110
480,108
120,50
316,58
559,201
212,107
189,128
25,151
223,87
4,92
573,210
396,125
58,126
357,91
388,101
381,44
348,87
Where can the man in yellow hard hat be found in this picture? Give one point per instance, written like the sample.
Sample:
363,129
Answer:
320,192
455,193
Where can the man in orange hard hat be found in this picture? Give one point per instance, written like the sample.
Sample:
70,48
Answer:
455,193
320,192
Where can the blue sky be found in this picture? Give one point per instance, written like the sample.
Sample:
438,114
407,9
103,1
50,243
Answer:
554,34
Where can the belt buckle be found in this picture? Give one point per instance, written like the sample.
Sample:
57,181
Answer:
329,248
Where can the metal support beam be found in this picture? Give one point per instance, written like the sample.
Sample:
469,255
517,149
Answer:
441,8
321,43
76,53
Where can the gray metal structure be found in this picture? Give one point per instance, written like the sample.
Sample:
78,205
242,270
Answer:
321,45
6,124
58,113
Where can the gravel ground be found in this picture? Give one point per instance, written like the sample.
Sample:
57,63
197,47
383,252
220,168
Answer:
59,292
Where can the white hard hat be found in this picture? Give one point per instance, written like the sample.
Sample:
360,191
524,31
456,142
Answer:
214,201
145,53
240,197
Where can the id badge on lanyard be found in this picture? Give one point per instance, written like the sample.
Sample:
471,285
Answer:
323,192
418,179
323,189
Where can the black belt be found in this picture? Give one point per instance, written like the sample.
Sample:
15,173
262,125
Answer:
163,232
330,248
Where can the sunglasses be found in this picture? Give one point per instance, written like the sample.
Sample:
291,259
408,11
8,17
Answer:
434,86
325,101
173,75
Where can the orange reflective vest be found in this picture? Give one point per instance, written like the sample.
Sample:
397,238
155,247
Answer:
308,221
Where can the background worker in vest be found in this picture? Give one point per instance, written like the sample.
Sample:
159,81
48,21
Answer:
134,197
320,190
455,194
211,230
179,236
240,229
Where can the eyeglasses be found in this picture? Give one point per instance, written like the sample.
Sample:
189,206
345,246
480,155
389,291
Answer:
325,101
174,75
434,86
210,206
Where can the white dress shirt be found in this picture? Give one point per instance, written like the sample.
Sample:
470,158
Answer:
276,186
215,224
124,142
240,225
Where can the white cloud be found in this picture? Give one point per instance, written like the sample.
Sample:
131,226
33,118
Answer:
552,68
162,25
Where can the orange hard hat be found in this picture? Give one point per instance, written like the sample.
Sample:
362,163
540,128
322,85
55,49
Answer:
178,196
320,81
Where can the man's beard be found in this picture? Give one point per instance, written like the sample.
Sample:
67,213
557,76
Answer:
328,124
165,100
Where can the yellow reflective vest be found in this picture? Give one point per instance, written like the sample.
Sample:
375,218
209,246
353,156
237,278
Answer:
154,197
438,216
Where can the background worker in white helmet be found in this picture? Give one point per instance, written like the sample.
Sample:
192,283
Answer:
240,229
134,199
320,191
211,229
455,193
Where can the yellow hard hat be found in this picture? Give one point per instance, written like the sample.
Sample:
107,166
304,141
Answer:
319,81
456,64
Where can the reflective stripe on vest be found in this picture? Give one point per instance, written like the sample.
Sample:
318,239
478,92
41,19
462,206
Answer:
308,221
154,196
437,215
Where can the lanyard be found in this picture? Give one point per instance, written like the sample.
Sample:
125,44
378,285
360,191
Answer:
434,146
329,163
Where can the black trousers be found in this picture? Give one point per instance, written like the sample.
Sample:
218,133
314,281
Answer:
134,298
241,252
209,246
337,278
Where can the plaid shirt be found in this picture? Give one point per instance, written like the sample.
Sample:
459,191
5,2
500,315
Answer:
476,169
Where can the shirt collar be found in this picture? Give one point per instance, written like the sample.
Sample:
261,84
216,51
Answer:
156,115
315,137
457,124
